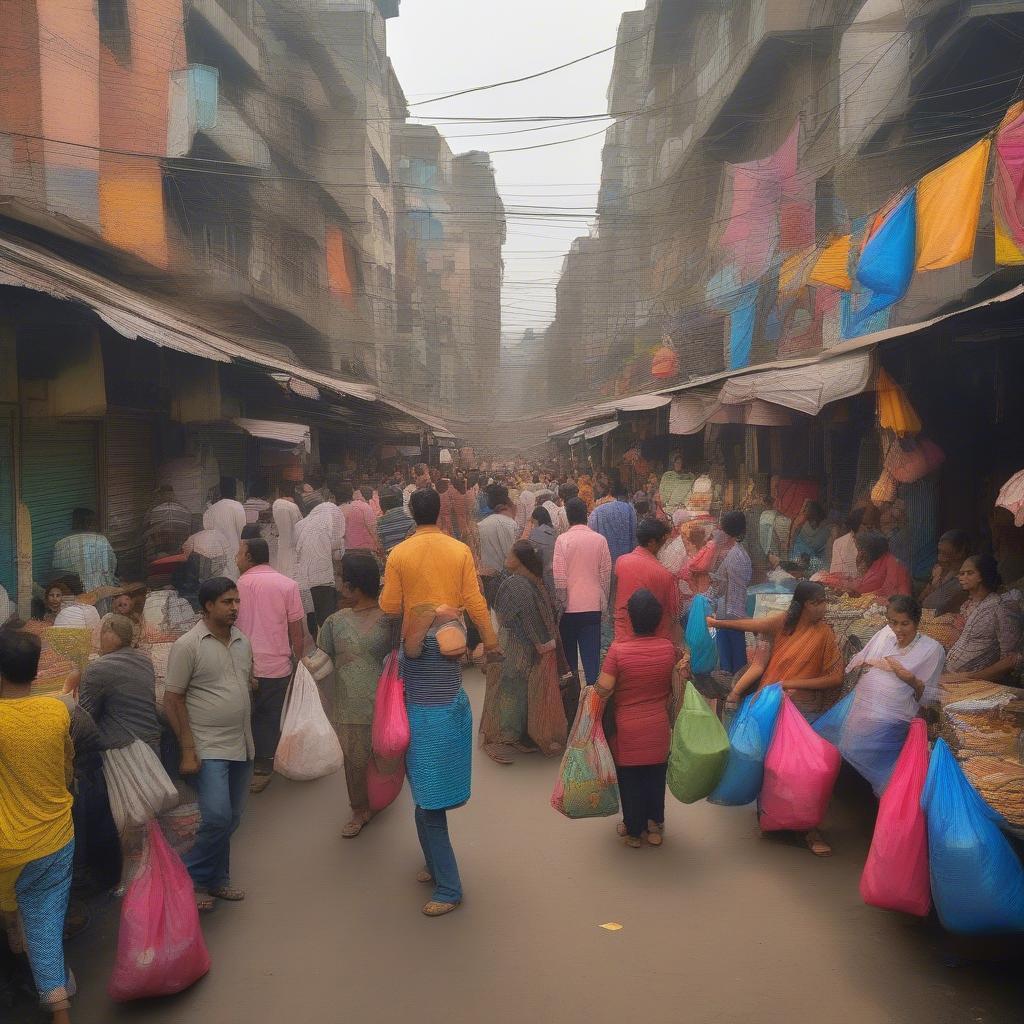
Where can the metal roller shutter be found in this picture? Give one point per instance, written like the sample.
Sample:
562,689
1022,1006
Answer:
129,459
8,579
227,445
58,474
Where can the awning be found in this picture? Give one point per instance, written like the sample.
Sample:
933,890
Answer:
600,429
294,434
807,389
576,438
634,403
691,410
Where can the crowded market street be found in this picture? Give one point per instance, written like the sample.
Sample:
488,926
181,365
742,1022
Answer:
718,926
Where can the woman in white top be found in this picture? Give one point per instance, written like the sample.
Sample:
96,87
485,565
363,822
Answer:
844,549
286,515
900,670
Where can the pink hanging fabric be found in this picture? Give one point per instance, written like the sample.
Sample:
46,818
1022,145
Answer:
1008,188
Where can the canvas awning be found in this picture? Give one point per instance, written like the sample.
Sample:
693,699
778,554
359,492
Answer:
692,409
293,434
600,429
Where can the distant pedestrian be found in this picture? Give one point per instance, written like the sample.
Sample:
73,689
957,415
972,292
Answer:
86,552
641,570
395,524
616,522
360,522
498,533
730,578
226,517
319,541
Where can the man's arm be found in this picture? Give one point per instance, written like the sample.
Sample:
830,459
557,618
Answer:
474,603
390,601
558,572
179,673
297,638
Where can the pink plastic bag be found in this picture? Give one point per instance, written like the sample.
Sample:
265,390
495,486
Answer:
383,786
799,773
390,719
160,947
896,873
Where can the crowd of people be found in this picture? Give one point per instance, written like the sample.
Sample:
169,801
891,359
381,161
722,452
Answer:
527,567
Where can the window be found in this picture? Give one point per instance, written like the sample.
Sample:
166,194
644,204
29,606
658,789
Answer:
115,28
385,279
298,268
381,222
220,246
380,169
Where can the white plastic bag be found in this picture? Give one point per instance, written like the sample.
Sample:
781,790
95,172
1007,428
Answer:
309,748
137,785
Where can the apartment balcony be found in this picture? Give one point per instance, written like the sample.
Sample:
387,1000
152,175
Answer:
231,20
233,134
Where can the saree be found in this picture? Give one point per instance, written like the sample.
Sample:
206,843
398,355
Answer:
885,577
806,653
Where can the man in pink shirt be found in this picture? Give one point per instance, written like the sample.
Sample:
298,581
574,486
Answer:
270,615
582,570
641,570
360,522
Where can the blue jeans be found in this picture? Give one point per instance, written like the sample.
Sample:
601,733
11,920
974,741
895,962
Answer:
222,788
581,632
732,650
432,829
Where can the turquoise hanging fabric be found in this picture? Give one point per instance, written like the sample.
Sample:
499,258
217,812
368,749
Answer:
741,326
887,261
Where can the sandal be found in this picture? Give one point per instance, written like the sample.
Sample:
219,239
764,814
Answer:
355,826
228,894
260,782
424,876
436,909
204,902
493,751
817,845
621,829
634,842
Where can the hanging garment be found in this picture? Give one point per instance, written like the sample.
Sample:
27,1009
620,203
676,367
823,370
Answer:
1008,188
887,260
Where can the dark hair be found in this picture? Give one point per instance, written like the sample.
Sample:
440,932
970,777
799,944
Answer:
228,488
259,550
315,477
213,589
390,498
425,506
619,490
734,523
251,531
960,539
568,491
472,478
650,529
904,604
855,519
644,612
83,519
259,488
367,492
346,492
643,506
527,554
988,570
541,515
576,511
361,572
816,511
19,656
873,545
806,591
497,495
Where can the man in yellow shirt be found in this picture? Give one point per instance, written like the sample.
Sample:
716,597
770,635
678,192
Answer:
37,841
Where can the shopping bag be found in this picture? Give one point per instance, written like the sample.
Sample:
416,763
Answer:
830,725
545,722
703,651
977,879
895,876
587,785
750,735
384,782
699,751
391,734
309,747
138,787
160,947
799,774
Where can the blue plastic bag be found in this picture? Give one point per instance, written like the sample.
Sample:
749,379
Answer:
703,650
830,725
977,880
750,735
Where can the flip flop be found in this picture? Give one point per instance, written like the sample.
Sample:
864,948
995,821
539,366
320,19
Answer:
260,783
436,909
424,876
228,894
204,902
352,829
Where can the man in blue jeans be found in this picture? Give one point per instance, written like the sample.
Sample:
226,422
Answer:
209,680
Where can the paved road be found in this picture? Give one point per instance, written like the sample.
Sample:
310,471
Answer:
718,926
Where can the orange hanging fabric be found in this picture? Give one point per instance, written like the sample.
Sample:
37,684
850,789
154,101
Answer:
832,266
895,412
948,208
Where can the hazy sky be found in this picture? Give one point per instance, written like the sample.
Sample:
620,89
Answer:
441,46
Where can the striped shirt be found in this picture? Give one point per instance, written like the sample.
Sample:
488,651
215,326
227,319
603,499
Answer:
431,678
393,527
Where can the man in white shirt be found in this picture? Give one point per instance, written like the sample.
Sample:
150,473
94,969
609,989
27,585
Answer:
498,532
319,540
421,478
527,500
555,504
227,519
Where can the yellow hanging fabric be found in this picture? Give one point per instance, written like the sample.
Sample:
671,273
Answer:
895,412
831,268
948,208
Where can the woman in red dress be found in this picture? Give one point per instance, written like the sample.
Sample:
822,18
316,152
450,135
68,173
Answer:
638,671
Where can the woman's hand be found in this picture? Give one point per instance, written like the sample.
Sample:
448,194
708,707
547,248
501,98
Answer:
903,674
712,622
545,648
72,682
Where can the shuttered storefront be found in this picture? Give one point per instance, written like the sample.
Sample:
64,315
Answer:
130,479
228,446
58,474
8,575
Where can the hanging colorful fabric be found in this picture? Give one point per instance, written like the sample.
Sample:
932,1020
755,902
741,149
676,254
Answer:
830,269
741,327
948,208
887,260
1008,188
895,412
664,363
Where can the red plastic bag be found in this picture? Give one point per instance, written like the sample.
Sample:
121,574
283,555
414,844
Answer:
383,786
390,719
896,873
160,947
799,773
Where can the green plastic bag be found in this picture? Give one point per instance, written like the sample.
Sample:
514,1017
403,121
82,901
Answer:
700,750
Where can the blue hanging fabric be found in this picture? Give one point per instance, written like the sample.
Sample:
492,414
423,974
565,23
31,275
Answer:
741,326
977,879
886,263
703,651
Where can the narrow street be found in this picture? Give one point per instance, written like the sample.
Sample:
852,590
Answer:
717,925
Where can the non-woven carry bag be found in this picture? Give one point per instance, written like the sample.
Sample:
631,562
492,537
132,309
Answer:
390,734
895,875
977,879
800,772
160,947
699,750
545,721
750,735
309,747
703,651
587,785
138,787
